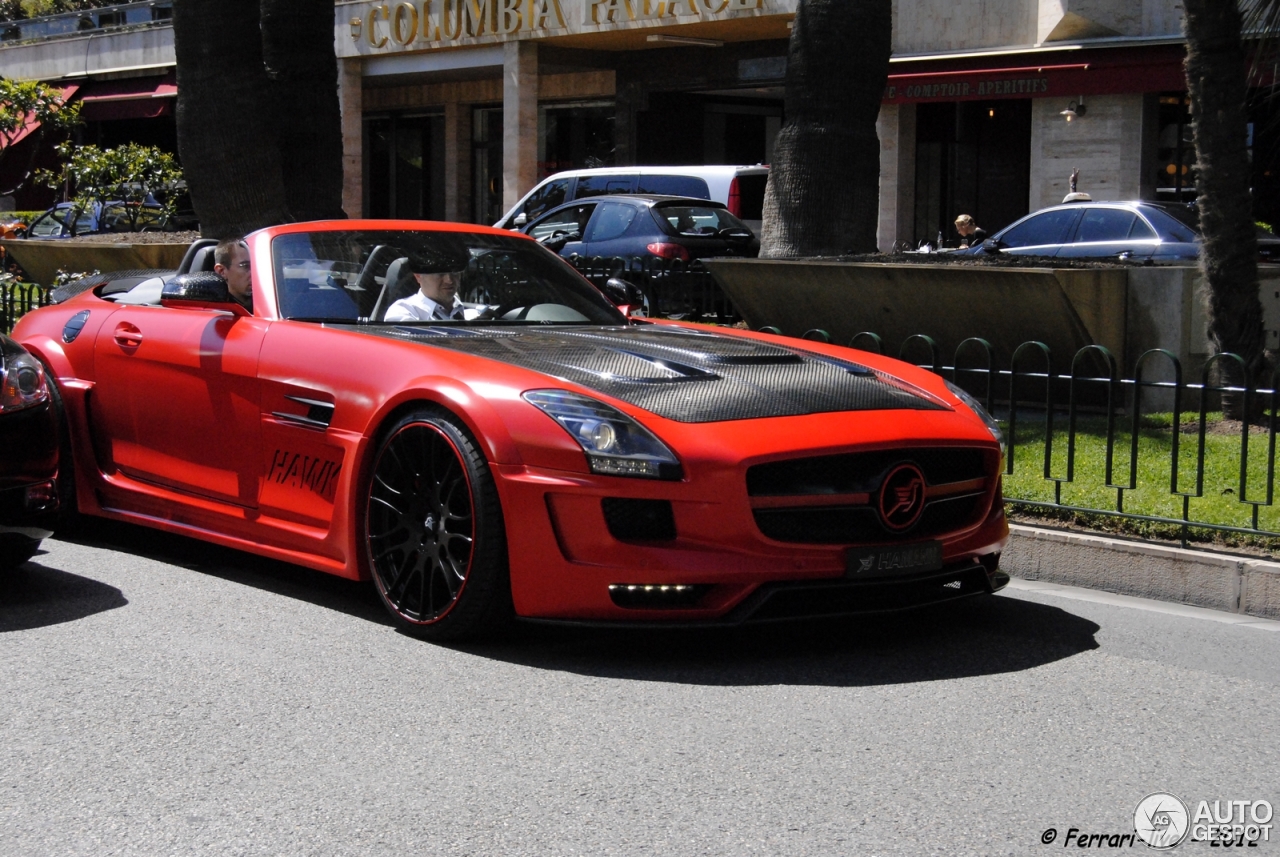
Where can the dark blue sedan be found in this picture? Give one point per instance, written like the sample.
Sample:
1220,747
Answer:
1139,231
640,225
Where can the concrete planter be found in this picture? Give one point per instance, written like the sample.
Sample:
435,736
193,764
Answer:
1130,310
43,259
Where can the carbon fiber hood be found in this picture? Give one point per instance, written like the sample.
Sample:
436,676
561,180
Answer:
686,375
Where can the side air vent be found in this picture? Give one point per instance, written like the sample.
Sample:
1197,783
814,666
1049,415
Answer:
631,520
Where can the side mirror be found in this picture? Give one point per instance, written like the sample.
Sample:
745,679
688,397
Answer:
624,294
521,219
991,245
202,290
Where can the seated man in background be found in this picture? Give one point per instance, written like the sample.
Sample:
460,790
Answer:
437,295
231,262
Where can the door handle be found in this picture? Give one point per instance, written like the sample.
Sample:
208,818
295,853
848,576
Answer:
127,336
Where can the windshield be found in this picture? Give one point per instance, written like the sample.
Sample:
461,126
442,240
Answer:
364,274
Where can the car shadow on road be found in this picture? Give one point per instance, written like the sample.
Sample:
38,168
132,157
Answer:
979,636
34,596
350,597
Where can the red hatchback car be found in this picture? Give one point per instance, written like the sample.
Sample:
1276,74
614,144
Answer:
540,454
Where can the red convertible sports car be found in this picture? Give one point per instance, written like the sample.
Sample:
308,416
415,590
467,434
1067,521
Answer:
540,455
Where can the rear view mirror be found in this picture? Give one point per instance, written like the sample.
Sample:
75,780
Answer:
991,245
521,219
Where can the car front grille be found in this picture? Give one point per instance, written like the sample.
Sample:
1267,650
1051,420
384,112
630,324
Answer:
833,499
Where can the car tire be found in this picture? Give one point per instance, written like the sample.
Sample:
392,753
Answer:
434,538
15,550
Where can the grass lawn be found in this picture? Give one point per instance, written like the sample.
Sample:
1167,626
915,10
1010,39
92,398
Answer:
1220,501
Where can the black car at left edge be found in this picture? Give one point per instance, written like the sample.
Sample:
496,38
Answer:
29,444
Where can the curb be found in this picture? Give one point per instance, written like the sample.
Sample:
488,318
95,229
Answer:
1232,584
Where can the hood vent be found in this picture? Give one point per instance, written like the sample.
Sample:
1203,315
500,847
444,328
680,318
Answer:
681,374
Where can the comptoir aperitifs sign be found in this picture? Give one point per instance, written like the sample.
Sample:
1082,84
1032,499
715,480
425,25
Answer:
434,23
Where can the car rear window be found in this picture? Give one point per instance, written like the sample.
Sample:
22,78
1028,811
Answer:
696,219
751,196
600,185
1171,228
674,186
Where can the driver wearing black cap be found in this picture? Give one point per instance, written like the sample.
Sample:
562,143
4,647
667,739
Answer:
438,276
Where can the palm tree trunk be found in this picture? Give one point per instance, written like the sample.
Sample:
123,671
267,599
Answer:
1228,259
228,145
297,47
823,196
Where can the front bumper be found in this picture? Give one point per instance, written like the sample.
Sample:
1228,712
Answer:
28,472
718,569
29,510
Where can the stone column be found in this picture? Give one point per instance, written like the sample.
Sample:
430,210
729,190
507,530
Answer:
457,162
896,126
519,120
351,103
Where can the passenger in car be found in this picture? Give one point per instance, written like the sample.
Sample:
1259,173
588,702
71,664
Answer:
231,262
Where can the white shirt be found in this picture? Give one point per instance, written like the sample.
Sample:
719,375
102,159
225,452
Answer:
419,307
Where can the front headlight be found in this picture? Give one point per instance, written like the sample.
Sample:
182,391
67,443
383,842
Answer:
976,407
615,444
22,382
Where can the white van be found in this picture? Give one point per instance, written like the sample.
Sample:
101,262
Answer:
741,189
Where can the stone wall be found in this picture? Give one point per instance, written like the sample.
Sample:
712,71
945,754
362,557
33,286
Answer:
1106,145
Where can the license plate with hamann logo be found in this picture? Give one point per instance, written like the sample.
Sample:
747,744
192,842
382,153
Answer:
893,561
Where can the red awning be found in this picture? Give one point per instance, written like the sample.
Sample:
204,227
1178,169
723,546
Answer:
32,123
1068,74
133,98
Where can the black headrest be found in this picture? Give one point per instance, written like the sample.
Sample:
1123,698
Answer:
203,248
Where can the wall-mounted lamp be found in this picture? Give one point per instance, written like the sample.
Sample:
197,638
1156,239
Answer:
1074,109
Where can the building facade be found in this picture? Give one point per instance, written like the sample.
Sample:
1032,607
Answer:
453,109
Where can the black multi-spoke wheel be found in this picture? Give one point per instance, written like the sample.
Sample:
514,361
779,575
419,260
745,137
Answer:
434,531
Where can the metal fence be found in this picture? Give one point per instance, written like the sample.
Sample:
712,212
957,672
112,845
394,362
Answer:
17,298
1090,432
673,288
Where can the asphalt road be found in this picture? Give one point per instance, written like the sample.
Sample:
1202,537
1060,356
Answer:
162,697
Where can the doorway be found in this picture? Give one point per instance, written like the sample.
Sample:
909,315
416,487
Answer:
972,157
404,166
